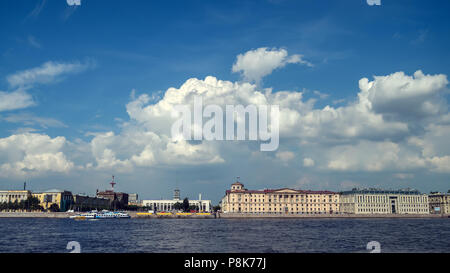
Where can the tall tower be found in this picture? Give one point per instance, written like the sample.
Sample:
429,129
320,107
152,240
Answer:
176,194
112,183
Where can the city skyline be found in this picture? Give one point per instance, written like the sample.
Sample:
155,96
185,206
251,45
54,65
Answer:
165,196
87,92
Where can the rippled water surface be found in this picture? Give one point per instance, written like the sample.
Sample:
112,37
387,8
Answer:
225,235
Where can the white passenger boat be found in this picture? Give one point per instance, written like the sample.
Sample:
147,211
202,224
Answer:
112,215
100,215
84,216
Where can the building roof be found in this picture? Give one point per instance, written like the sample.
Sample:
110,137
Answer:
52,191
55,190
111,192
382,191
282,191
106,192
439,194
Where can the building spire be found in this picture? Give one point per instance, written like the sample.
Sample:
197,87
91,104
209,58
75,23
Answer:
176,194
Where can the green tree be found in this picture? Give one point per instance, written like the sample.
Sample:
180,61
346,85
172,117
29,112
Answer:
23,204
53,208
216,208
32,203
15,205
132,207
193,207
186,204
35,204
178,206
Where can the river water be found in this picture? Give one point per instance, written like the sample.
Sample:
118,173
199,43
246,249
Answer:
46,235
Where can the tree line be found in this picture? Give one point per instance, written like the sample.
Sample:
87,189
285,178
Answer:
30,204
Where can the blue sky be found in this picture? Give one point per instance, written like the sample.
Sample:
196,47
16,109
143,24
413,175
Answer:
115,47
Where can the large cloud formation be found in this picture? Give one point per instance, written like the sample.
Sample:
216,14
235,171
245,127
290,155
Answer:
403,97
32,154
396,123
358,136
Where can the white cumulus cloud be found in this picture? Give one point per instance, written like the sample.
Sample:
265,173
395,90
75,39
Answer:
46,73
285,156
15,100
405,97
255,64
32,154
308,162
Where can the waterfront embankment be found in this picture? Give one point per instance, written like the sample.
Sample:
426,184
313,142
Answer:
173,215
309,216
134,214
34,214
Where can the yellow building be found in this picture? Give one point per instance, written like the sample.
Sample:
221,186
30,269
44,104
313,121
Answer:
377,201
12,196
439,203
279,201
63,199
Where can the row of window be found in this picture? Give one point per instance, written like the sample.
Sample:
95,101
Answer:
323,207
384,199
387,210
15,196
286,201
387,205
288,196
281,209
315,205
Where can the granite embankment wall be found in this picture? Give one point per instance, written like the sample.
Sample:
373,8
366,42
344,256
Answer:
67,215
173,216
229,215
245,215
34,214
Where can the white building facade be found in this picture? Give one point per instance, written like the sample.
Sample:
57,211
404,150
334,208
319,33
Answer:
14,195
439,203
376,201
169,204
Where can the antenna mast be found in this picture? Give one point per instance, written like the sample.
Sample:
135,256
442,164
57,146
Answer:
112,183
